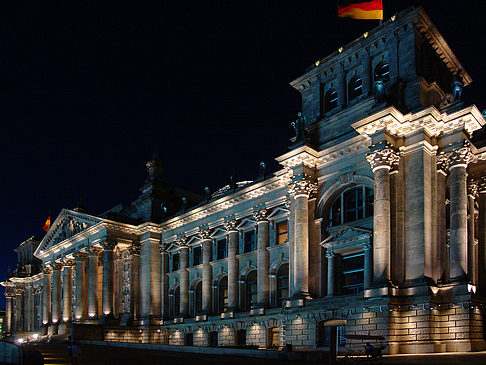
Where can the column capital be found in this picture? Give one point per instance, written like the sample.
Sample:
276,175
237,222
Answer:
95,251
134,250
261,215
57,266
182,241
81,256
473,188
383,158
68,262
481,184
230,225
109,245
19,291
204,233
302,187
47,270
9,291
329,254
460,156
366,246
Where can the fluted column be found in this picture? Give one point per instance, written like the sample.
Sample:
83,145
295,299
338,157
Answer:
262,258
81,287
135,281
56,293
108,283
184,276
67,288
164,257
301,191
46,295
368,274
330,272
233,266
381,162
19,292
206,270
459,158
94,254
9,294
29,308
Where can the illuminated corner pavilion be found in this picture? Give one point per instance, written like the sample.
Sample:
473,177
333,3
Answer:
374,224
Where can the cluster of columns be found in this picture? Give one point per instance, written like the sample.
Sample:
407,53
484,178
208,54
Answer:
21,310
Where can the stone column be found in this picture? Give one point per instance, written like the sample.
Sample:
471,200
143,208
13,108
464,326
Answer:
135,281
19,292
472,246
381,162
67,288
330,272
262,258
150,275
9,294
482,236
117,282
108,283
206,270
233,267
300,191
46,295
459,158
81,287
184,276
29,308
368,274
164,257
94,254
56,293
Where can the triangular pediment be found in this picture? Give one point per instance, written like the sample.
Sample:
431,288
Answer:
247,222
67,224
346,234
218,232
280,211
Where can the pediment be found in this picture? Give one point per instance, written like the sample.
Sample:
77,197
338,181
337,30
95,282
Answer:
218,232
278,212
247,222
346,234
67,224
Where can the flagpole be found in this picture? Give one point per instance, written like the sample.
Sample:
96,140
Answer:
383,7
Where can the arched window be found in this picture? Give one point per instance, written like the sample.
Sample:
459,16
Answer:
330,99
251,289
198,298
382,71
223,294
176,300
351,205
282,284
355,87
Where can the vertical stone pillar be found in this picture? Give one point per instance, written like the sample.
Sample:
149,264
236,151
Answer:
150,279
330,273
164,257
459,158
9,294
482,236
135,281
262,258
94,254
81,287
108,283
46,295
19,292
472,247
233,267
56,293
207,272
368,274
184,276
381,162
117,282
67,288
29,308
301,190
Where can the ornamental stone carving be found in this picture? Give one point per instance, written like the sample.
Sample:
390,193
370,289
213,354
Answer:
68,262
19,291
9,292
460,155
204,233
366,246
231,225
126,283
384,158
81,256
95,251
134,250
443,162
57,266
261,215
109,245
473,188
481,184
47,270
182,241
302,187
329,254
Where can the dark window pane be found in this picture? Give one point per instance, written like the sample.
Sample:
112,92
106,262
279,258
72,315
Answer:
282,232
331,99
196,256
222,252
336,212
251,289
175,262
249,241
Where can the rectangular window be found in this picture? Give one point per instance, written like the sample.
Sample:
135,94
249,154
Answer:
196,256
175,262
282,232
352,278
222,251
249,239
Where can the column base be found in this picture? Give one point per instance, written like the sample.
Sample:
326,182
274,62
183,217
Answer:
150,321
301,295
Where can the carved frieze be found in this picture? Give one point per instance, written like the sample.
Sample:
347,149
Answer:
386,158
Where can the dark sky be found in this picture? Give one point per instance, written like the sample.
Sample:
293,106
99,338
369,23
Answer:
88,91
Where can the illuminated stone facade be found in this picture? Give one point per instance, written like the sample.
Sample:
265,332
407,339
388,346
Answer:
375,224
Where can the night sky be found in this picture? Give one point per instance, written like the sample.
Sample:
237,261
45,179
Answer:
89,91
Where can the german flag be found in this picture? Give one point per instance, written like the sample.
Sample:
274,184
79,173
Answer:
360,9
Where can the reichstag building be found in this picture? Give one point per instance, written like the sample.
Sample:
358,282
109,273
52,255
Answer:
375,224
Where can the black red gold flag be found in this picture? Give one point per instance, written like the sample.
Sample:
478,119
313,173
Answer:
360,9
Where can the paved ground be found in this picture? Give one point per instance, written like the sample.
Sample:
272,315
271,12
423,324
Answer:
93,355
